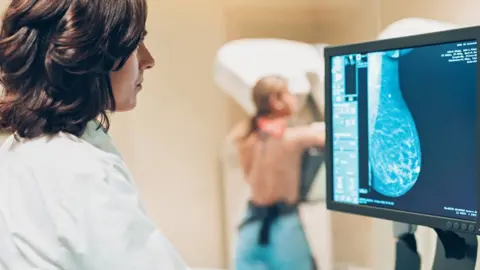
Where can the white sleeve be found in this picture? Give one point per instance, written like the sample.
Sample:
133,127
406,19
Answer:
102,225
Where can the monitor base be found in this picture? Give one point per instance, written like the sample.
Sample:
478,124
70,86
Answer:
455,250
407,257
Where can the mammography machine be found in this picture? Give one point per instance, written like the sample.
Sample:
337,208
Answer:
402,136
238,65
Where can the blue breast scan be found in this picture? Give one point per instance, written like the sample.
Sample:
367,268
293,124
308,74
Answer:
404,129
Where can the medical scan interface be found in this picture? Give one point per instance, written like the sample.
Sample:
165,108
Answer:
404,129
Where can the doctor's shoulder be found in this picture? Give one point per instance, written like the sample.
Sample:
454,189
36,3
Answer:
63,157
92,195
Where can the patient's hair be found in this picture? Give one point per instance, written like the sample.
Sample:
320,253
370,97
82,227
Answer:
55,61
261,93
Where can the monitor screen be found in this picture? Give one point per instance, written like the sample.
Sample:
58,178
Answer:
404,129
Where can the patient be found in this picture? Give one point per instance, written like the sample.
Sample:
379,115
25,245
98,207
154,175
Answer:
271,235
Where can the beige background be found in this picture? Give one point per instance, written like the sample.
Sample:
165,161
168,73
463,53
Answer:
172,141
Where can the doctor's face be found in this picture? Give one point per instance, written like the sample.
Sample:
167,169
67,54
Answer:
127,81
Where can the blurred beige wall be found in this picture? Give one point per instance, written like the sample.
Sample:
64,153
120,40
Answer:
172,140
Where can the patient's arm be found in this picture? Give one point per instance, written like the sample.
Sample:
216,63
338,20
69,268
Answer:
308,136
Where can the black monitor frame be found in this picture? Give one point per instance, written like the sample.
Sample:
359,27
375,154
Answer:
435,38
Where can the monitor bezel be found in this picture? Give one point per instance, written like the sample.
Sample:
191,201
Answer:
435,38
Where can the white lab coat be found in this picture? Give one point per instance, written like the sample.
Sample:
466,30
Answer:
70,203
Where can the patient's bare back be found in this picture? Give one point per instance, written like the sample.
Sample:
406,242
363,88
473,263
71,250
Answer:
272,164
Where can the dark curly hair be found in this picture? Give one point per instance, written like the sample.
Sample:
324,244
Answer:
55,61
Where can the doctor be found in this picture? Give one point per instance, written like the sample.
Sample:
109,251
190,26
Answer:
67,201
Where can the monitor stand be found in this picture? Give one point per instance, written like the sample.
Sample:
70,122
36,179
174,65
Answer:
407,257
455,250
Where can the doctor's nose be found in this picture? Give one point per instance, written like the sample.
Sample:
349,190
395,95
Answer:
145,58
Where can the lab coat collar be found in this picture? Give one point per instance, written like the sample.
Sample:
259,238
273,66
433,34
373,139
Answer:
96,135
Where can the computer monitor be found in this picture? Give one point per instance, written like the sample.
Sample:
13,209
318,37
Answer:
402,129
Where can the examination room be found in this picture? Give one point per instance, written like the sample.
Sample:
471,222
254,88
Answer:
236,80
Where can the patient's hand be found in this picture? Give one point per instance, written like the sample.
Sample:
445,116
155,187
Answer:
318,127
